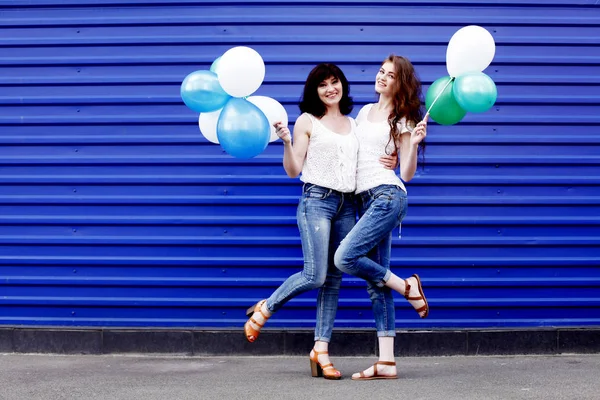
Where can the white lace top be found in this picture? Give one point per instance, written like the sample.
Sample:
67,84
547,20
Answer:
373,137
331,157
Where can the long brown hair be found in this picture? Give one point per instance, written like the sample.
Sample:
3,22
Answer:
406,98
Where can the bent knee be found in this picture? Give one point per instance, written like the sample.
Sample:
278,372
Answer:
315,281
341,261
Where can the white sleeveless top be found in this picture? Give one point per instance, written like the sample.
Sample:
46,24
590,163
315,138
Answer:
331,157
373,137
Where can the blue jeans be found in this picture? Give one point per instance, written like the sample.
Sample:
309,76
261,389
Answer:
365,252
325,217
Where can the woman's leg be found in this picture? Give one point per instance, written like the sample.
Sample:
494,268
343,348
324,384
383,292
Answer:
384,313
327,300
386,365
379,219
317,208
382,299
386,210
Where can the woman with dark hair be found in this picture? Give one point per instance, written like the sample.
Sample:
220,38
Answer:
325,151
393,125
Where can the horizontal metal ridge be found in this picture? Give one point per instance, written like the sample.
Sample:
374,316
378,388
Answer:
125,281
566,242
276,159
41,219
162,200
529,262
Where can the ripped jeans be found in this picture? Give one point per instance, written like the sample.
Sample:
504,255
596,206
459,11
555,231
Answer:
365,252
325,217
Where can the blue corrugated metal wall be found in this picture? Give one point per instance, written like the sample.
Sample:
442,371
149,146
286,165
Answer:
115,211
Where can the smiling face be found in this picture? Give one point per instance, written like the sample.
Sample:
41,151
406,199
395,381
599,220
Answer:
330,91
326,88
386,79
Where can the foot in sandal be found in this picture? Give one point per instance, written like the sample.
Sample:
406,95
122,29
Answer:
321,366
259,314
415,296
380,370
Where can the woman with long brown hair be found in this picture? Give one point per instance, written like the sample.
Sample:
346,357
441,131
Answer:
393,125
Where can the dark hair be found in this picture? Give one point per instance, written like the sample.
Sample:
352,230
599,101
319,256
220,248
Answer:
310,101
406,98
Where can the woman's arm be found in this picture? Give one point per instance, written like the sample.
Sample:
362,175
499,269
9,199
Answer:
409,149
294,154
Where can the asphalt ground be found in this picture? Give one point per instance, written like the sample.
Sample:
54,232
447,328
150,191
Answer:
57,377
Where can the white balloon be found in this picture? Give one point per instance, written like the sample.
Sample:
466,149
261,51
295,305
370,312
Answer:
471,49
273,110
208,125
241,71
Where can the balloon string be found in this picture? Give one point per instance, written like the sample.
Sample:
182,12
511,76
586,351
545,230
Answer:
438,96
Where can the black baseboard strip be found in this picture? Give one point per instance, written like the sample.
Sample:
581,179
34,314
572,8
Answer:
352,342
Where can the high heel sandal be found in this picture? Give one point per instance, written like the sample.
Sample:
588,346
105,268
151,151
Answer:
421,296
326,371
249,331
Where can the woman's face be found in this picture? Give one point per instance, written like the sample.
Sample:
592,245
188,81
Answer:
330,91
386,77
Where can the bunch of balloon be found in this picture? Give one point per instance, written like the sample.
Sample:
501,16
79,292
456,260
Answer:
467,89
229,116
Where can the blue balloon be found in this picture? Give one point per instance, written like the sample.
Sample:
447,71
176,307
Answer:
215,65
243,129
202,92
475,92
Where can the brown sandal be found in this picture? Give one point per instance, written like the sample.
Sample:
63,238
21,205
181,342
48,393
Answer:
421,297
326,371
249,331
375,375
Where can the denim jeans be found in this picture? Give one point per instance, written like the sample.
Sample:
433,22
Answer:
325,217
365,252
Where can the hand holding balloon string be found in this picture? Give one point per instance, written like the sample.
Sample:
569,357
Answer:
283,132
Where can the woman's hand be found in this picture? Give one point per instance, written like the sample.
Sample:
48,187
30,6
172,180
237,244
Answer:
283,132
389,162
420,132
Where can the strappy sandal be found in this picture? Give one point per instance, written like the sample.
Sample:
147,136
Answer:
376,375
420,297
326,371
249,331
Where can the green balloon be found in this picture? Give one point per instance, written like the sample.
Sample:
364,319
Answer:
475,92
446,110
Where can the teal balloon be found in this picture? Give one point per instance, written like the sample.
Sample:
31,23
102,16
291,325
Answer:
243,129
215,65
475,92
446,110
202,92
